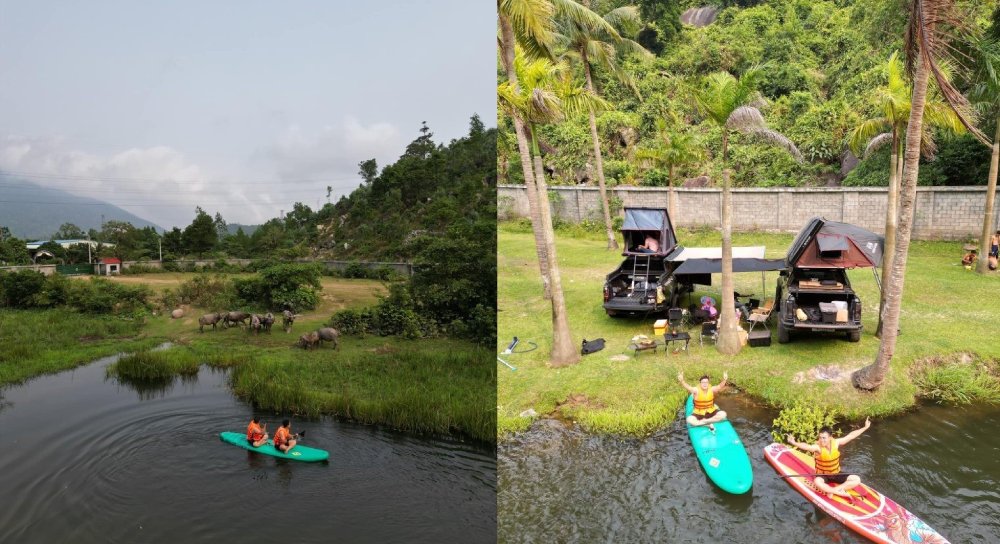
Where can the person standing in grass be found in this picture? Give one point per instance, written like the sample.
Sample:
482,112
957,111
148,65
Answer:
705,411
995,245
256,433
826,451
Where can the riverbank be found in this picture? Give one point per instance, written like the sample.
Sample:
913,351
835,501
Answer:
436,386
946,350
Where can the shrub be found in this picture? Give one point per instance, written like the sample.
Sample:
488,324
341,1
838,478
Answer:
100,296
206,291
21,289
802,421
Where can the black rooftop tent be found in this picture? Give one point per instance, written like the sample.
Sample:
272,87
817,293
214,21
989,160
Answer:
829,244
640,222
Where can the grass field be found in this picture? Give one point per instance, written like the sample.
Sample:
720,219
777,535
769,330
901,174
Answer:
430,385
948,318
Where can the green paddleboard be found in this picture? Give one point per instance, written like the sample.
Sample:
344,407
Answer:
721,454
298,453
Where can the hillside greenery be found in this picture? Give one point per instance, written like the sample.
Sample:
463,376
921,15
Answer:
822,62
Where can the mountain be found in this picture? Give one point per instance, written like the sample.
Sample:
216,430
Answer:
34,212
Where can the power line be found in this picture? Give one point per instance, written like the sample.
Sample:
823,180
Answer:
68,177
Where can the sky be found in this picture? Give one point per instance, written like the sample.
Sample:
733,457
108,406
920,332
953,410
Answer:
242,108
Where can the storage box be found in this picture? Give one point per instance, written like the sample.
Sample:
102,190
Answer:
659,327
829,311
840,304
760,338
842,316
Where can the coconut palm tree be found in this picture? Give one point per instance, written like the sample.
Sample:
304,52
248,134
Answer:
530,25
546,94
985,93
672,149
893,99
601,48
732,104
926,46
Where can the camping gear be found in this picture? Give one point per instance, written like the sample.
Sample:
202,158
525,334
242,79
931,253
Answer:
592,346
721,454
660,327
869,513
642,222
759,338
829,312
298,453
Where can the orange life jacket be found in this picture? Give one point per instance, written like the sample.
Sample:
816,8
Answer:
280,436
254,432
828,460
704,401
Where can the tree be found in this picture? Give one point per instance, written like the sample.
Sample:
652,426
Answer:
546,95
985,92
893,99
926,43
173,242
730,104
600,48
69,231
200,236
368,170
672,149
123,235
221,229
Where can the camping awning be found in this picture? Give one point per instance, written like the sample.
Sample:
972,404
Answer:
739,252
714,266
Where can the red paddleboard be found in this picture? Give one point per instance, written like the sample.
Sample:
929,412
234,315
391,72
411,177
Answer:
868,512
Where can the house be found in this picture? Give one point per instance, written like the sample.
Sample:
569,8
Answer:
108,266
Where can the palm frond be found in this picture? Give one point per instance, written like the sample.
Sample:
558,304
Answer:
626,19
746,119
864,133
531,21
877,143
777,139
584,17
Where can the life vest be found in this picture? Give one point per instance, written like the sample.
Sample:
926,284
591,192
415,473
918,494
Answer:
828,460
254,432
704,401
280,436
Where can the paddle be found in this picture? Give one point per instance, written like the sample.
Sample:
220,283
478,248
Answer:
810,475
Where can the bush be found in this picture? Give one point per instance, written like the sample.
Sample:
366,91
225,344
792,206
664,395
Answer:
101,296
802,421
21,289
204,291
283,285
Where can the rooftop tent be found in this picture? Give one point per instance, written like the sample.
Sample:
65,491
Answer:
829,244
640,222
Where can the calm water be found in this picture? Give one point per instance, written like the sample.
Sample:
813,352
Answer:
560,485
89,460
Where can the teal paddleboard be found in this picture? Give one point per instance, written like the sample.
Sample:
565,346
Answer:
298,453
721,454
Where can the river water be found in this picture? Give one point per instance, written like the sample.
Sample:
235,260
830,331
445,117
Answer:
557,484
90,460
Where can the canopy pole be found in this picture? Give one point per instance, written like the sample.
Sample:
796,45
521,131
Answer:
763,288
877,281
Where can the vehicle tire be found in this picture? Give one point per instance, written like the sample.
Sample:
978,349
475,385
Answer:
783,336
854,336
613,313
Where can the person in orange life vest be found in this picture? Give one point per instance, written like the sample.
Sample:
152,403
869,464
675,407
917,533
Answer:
284,440
829,479
256,433
705,411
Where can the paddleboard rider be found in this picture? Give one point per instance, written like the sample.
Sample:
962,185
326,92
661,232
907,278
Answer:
256,433
826,451
705,411
284,440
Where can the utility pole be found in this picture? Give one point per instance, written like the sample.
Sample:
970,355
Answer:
159,241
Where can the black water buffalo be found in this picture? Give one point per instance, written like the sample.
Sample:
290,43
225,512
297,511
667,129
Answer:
267,321
328,334
236,317
309,340
208,319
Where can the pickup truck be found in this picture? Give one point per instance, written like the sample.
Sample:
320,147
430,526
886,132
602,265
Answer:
804,289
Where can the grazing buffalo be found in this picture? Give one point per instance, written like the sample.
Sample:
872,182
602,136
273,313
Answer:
267,321
255,324
287,319
309,340
236,317
329,334
208,319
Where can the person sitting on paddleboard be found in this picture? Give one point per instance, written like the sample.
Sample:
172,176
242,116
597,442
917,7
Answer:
705,411
829,479
284,440
256,434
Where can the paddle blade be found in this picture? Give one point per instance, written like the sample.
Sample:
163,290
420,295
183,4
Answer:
303,433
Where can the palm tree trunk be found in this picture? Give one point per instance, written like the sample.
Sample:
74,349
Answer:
507,54
872,376
729,340
991,189
564,352
671,199
890,223
598,160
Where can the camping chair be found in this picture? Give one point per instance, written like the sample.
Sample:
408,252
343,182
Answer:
709,329
675,316
761,315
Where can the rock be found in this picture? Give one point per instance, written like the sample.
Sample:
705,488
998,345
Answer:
530,412
177,314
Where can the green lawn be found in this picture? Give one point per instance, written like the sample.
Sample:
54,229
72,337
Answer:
947,311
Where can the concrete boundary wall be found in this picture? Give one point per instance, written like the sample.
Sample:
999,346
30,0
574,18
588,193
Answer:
405,269
948,213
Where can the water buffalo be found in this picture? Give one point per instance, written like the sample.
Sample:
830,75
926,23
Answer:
236,317
287,319
208,319
255,324
267,321
329,334
309,340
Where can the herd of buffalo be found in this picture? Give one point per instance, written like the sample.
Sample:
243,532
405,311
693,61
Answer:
257,323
